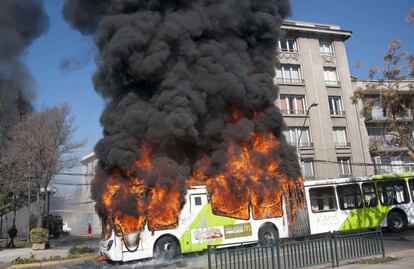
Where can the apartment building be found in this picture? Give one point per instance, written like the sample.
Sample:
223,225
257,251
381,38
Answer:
89,162
314,96
387,153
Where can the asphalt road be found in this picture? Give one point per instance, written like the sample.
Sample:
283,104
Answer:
393,243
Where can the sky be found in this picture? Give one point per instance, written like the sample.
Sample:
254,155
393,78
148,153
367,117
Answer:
373,23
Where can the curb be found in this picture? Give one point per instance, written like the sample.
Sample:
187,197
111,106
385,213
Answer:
51,263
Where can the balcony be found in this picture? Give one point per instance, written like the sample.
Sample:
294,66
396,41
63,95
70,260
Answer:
293,112
304,145
290,81
332,83
336,113
341,145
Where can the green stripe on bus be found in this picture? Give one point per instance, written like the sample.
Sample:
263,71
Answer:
365,217
405,175
204,219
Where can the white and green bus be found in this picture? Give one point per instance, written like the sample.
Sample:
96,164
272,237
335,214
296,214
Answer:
197,228
332,205
353,203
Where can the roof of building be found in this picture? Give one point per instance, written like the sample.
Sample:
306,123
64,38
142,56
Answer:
316,28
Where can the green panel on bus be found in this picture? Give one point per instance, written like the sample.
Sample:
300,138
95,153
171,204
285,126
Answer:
365,217
207,226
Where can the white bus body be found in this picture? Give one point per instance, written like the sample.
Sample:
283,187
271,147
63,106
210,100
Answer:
198,227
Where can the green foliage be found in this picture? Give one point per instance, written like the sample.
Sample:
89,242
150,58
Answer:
39,235
19,260
76,252
32,259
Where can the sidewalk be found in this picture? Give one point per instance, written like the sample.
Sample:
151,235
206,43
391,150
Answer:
59,247
406,261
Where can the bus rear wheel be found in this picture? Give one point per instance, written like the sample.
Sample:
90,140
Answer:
166,248
396,222
268,235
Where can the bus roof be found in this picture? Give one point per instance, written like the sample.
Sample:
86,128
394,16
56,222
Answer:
332,181
405,175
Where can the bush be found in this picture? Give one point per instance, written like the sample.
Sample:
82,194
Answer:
19,260
39,235
76,252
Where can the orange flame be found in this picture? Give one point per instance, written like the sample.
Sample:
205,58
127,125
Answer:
250,182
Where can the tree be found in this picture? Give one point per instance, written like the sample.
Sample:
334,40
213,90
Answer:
41,146
390,89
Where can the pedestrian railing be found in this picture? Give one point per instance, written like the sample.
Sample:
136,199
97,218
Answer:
289,254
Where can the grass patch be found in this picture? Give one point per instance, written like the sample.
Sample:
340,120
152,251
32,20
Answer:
20,260
75,251
17,243
378,260
32,259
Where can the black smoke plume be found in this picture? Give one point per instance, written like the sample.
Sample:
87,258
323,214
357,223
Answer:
173,70
21,22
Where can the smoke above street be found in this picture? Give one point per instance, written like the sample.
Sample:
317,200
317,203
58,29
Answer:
190,101
21,22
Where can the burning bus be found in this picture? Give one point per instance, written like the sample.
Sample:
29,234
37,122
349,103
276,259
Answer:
197,228
246,201
190,101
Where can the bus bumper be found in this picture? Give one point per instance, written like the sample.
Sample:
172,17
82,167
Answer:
111,248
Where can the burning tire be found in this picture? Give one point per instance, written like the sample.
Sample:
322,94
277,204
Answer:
397,222
268,234
167,248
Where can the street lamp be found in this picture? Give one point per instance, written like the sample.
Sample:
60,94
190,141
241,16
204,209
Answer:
49,190
303,126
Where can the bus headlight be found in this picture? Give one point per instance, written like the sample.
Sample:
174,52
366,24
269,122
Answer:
108,247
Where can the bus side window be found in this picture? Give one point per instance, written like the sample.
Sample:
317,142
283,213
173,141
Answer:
411,184
370,196
349,196
323,199
393,192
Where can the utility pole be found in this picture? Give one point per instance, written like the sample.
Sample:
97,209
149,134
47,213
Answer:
29,201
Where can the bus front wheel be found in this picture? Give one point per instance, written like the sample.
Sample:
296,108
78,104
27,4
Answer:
268,234
396,222
166,248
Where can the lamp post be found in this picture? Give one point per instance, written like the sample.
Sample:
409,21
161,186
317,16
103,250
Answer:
49,190
301,129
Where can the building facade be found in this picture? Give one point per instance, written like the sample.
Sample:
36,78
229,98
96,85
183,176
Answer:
89,162
315,92
388,154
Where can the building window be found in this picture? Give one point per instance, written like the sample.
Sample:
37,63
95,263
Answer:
330,76
339,137
287,45
344,165
349,196
292,135
370,195
375,132
323,199
288,74
307,168
292,105
325,48
393,192
335,105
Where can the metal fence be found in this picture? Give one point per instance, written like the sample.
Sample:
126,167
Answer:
288,254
